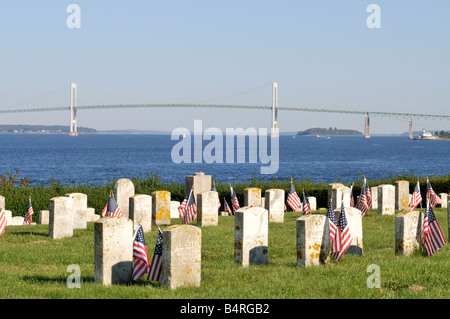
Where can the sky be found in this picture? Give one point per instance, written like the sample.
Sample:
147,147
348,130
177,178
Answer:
321,53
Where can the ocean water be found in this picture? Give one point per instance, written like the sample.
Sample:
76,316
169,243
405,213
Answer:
92,159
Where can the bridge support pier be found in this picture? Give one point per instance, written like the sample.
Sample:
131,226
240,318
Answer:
73,110
410,130
274,109
367,126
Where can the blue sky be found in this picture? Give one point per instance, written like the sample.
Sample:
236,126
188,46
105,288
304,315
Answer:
321,53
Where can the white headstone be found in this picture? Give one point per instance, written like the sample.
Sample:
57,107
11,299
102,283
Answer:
8,215
199,182
251,230
354,220
60,217
386,199
174,209
312,202
374,194
408,230
161,206
207,210
401,195
444,199
141,211
79,210
123,190
113,242
274,204
44,217
2,202
252,197
181,256
313,240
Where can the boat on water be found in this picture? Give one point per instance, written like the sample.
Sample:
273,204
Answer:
426,136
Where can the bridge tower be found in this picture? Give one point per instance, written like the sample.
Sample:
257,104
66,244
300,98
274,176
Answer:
274,109
367,126
410,129
73,110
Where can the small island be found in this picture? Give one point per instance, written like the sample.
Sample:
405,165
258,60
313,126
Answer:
329,132
42,129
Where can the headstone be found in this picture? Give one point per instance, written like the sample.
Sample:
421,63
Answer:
251,230
341,193
60,217
331,188
207,210
181,256
312,202
386,199
252,197
263,202
354,220
408,229
274,204
141,211
161,206
123,190
199,182
17,220
313,240
91,216
401,195
374,194
8,215
2,202
44,217
174,209
444,199
113,242
79,210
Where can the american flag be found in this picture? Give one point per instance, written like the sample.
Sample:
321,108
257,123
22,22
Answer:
293,200
432,236
416,197
234,200
218,199
364,199
306,206
332,221
2,221
227,208
140,255
182,208
111,208
156,266
432,196
343,238
190,210
27,220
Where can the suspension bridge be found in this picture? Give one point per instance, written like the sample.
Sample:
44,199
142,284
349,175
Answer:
275,108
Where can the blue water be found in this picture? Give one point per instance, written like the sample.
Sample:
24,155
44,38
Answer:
93,158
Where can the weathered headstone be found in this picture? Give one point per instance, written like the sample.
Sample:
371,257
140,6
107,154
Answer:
313,240
2,202
401,195
252,197
386,199
141,211
332,187
207,210
374,194
354,220
161,205
274,204
8,215
199,182
174,209
123,190
60,217
408,229
79,210
113,242
312,202
251,230
341,193
91,216
181,256
444,199
44,217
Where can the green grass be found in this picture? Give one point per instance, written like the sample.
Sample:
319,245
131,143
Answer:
32,265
